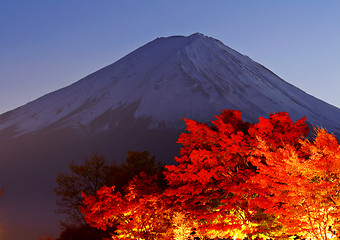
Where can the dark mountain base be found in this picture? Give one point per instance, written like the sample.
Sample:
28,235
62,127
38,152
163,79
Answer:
28,174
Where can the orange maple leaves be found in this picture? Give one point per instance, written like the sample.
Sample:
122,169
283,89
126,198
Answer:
233,179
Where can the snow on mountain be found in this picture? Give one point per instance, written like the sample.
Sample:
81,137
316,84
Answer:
170,79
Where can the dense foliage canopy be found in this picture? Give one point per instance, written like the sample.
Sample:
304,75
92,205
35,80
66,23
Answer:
233,179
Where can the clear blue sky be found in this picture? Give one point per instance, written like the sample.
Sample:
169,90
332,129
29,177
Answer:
48,44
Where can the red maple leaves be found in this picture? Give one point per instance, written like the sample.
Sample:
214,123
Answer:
233,179
140,213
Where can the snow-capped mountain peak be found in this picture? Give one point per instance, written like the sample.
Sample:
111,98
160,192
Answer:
167,80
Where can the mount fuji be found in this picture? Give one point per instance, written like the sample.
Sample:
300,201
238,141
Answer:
136,103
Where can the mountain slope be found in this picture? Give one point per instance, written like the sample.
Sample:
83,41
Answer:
169,79
136,103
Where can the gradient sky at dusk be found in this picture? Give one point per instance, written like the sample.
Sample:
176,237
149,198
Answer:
47,45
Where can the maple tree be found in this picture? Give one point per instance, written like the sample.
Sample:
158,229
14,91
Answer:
214,172
141,213
233,179
302,177
88,177
313,207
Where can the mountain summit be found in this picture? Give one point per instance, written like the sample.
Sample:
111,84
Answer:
136,103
